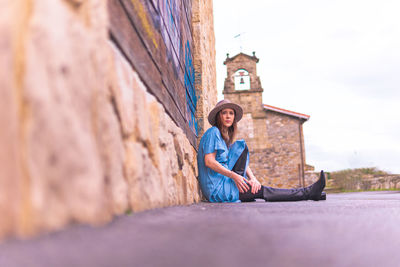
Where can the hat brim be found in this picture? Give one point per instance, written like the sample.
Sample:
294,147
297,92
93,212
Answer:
213,113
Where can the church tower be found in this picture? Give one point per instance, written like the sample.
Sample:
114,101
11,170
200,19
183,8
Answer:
274,135
243,86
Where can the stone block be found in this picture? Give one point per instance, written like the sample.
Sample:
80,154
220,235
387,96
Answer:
154,112
11,110
111,148
142,123
63,176
142,175
122,87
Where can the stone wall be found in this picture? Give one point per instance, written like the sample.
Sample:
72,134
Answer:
379,183
204,62
160,164
274,142
83,139
280,163
366,182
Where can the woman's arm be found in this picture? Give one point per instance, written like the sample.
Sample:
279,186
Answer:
212,163
254,183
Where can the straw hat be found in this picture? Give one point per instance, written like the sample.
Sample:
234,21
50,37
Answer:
222,105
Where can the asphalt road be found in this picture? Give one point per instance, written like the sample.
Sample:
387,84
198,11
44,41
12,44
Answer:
352,229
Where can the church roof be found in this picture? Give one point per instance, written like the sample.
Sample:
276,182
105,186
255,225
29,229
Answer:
287,112
229,59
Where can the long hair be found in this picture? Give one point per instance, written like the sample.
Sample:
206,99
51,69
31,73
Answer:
229,137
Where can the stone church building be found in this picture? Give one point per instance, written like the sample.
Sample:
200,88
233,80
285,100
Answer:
274,135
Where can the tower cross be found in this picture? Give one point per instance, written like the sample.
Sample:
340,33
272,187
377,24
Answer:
239,36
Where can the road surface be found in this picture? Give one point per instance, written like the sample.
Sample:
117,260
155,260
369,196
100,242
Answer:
348,229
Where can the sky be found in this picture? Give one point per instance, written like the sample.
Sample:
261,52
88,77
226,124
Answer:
335,60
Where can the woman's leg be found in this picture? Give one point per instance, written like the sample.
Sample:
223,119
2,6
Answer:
250,197
240,165
239,168
271,194
312,192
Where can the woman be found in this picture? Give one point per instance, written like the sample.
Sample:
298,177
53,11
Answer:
224,173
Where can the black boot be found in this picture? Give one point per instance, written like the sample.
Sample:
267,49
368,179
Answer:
271,194
313,192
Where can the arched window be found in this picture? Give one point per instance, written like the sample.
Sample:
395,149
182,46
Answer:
242,80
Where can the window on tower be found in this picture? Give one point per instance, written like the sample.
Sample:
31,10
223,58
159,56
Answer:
242,79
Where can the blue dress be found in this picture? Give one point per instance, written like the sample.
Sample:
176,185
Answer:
215,186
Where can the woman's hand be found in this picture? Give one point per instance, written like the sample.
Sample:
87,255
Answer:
240,182
255,185
253,182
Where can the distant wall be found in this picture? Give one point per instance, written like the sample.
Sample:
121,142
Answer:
87,133
285,160
380,183
367,182
275,142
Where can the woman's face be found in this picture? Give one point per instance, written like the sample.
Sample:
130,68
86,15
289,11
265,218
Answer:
227,116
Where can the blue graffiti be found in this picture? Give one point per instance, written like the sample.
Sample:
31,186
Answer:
171,16
191,99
